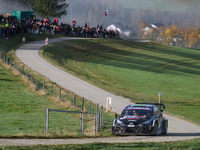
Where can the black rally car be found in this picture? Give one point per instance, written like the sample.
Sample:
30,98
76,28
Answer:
141,119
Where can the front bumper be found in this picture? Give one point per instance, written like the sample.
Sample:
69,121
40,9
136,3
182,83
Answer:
134,130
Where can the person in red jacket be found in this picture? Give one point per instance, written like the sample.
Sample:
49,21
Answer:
45,21
56,21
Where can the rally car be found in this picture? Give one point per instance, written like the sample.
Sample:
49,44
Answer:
141,119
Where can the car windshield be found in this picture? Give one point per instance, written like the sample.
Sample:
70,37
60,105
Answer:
137,111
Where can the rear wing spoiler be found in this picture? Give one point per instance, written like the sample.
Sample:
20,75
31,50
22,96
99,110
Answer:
157,104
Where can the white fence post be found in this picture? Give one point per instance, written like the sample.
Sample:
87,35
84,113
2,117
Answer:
82,123
47,121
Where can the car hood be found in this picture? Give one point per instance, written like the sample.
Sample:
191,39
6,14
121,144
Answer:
135,119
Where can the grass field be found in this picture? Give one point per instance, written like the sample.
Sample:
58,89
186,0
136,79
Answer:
138,71
169,69
188,145
23,108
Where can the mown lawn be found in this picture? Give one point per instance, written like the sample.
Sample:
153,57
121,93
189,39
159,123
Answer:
138,71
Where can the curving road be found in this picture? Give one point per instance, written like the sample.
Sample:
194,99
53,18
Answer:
28,54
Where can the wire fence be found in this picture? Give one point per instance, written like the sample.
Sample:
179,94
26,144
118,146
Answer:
88,124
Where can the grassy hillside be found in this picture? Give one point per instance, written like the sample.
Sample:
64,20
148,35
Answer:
138,71
23,108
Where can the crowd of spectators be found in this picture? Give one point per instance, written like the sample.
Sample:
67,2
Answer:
45,26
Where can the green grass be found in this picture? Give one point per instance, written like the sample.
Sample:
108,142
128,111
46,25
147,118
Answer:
23,108
194,144
138,71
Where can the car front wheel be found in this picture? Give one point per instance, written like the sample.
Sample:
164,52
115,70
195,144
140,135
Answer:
155,129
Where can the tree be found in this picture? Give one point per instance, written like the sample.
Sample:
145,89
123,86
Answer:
143,25
193,38
50,8
169,35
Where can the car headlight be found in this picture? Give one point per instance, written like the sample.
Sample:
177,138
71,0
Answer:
147,122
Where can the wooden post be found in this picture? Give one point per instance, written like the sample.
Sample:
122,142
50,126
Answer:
82,103
99,122
52,89
60,94
47,121
66,96
36,84
90,108
107,105
96,123
159,94
43,85
97,108
82,123
111,103
26,73
101,116
74,99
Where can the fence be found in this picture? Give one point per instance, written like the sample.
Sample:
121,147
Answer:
98,120
80,104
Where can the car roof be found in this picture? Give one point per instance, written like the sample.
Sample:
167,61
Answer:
140,105
147,105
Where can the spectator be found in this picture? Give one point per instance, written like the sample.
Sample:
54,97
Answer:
74,23
57,21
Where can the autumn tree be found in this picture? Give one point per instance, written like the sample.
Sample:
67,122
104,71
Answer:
143,25
193,39
168,35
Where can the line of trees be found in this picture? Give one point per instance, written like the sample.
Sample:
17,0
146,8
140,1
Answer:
175,35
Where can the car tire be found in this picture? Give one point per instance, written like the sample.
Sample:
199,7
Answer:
155,129
113,131
165,132
164,126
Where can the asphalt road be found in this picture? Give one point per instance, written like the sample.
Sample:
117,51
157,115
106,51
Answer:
28,54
